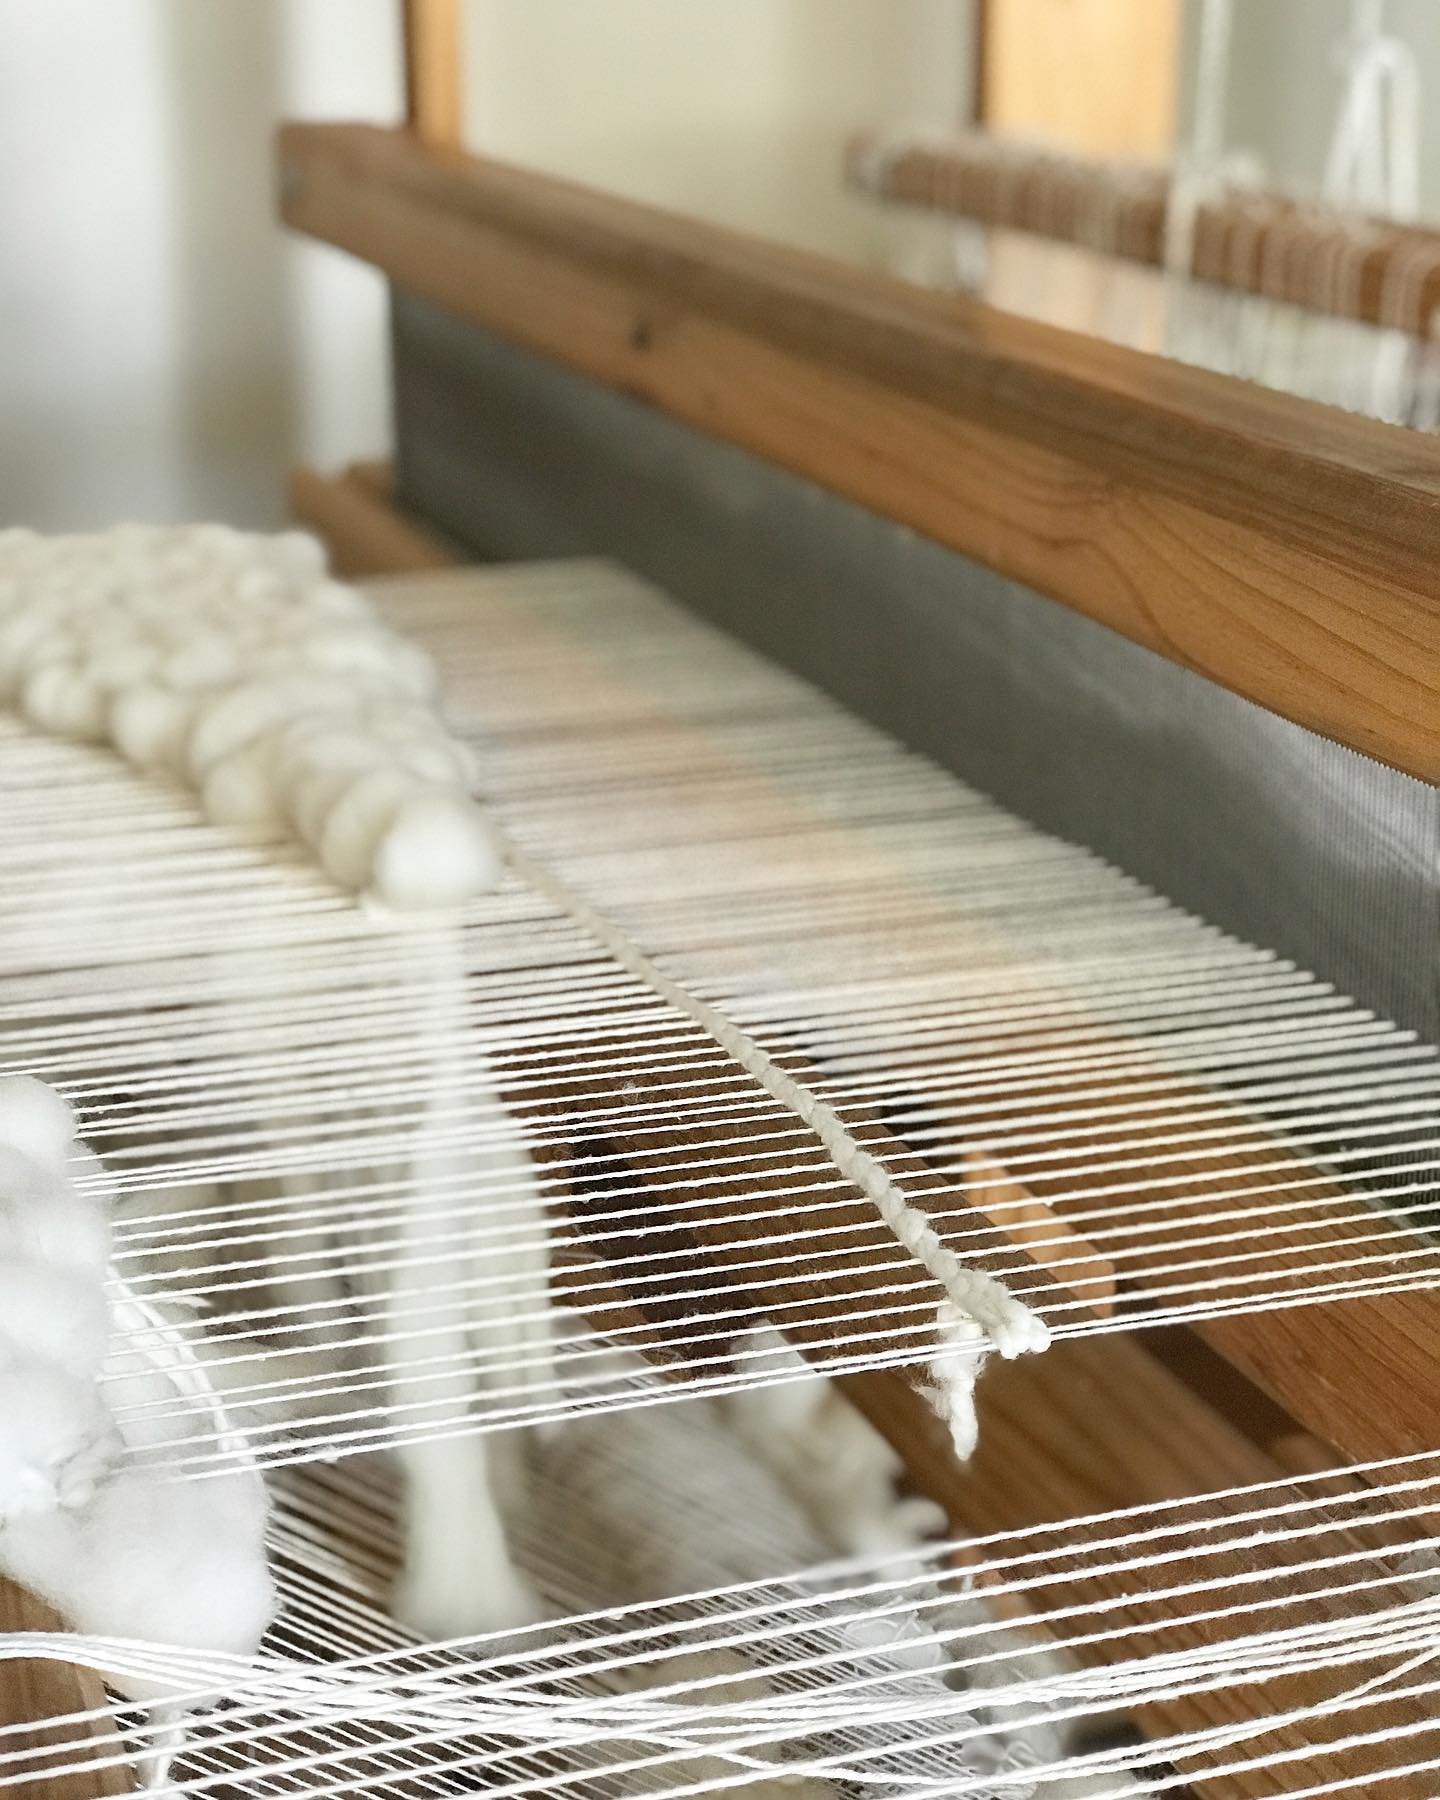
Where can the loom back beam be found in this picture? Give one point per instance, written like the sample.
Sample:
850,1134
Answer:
1253,241
1279,549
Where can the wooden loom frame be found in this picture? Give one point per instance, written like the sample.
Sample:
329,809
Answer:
1279,549
1026,452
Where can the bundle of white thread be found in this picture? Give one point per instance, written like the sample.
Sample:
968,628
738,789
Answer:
232,663
92,1518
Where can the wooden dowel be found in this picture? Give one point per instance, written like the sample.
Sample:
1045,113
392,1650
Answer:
1307,255
1360,1372
365,533
35,1690
433,89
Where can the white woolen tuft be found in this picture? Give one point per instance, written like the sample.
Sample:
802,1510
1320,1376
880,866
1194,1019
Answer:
90,1518
36,1121
235,665
435,851
56,1440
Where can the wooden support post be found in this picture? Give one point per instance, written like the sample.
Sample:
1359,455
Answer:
360,525
433,106
1089,75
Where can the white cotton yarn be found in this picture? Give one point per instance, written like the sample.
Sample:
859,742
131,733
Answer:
91,1517
232,663
978,1313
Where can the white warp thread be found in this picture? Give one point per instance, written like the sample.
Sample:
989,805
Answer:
977,1314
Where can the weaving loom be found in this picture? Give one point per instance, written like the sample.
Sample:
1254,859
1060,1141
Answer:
889,966
1036,1011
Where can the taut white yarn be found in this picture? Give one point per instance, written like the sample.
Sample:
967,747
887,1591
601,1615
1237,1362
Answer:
90,1519
978,1312
232,663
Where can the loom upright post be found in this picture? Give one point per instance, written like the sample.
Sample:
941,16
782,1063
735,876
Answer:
432,37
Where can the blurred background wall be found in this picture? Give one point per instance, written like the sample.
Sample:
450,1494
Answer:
164,349
735,110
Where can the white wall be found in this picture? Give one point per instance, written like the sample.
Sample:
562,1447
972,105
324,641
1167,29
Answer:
342,61
89,307
735,110
163,349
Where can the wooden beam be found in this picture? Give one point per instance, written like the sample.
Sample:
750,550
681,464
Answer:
1257,241
433,99
1281,549
1089,75
364,531
1360,1372
1091,1426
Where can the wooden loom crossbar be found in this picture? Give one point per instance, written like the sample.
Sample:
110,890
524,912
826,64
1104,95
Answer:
1090,1426
1280,549
37,1689
1256,241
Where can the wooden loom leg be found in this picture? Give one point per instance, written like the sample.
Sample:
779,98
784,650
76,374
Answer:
1096,76
364,531
433,106
34,1690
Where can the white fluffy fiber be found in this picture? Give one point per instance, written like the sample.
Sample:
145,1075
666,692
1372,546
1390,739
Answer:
90,1519
827,1456
233,664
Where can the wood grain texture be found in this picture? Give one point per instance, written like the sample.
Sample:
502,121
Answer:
35,1690
364,531
433,96
1099,1424
723,1244
1279,548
